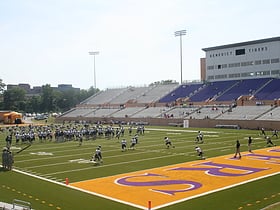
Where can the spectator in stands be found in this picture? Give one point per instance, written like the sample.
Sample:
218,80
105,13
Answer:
250,140
237,149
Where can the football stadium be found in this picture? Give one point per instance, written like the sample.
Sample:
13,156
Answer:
208,144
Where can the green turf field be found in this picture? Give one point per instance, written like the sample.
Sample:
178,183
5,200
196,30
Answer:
53,162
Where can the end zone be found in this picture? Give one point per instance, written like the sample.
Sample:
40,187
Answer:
176,183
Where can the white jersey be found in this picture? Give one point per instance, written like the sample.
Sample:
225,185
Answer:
198,150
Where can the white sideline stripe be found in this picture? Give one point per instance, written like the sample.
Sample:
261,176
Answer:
38,177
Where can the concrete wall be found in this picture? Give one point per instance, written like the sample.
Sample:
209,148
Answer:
197,123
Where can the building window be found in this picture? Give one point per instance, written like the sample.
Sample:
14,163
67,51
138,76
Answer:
210,67
234,75
262,73
222,76
275,60
275,72
240,52
248,74
224,66
258,62
248,63
232,65
266,61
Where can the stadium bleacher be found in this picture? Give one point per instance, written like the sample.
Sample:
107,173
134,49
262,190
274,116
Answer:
243,87
271,91
211,90
130,94
127,112
273,114
156,93
104,96
244,112
79,112
162,101
182,91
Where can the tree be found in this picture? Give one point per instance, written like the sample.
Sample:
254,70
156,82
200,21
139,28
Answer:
47,98
33,104
84,94
50,99
14,99
2,86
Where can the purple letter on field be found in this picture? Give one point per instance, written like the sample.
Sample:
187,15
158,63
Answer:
192,185
216,170
262,157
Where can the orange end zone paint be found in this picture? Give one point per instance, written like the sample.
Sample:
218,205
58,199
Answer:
176,183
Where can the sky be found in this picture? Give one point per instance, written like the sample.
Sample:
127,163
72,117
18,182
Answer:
48,41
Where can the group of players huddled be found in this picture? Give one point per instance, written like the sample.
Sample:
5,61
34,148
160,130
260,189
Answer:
61,133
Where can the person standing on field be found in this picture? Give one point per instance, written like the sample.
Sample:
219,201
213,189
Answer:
250,140
237,149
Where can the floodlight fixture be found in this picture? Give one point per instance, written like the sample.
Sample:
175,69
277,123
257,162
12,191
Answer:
94,53
181,33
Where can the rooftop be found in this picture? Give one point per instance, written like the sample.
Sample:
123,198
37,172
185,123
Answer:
259,41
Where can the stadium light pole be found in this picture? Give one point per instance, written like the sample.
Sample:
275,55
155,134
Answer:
94,72
181,33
